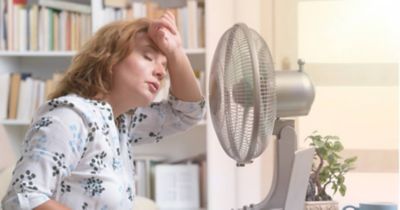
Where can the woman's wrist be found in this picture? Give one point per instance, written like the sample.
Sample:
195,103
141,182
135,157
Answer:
177,53
51,205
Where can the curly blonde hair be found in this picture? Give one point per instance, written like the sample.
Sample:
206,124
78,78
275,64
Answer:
91,69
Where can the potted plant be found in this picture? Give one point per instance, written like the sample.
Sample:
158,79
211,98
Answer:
328,172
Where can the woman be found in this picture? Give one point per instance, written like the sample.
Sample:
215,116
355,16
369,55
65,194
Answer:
77,153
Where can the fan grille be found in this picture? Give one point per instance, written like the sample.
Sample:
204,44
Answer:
233,93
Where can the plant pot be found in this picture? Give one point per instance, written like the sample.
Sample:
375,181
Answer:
321,205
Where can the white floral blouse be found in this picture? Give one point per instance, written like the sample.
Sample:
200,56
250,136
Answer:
76,154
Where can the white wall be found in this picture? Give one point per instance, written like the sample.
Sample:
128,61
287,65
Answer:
229,186
349,31
359,100
221,187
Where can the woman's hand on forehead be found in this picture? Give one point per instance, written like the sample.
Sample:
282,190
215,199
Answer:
165,35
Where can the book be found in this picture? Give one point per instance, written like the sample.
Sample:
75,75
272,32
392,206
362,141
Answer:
141,178
116,3
203,183
4,91
25,97
33,27
3,26
20,2
66,5
193,28
138,9
14,95
183,25
10,25
16,25
23,28
177,186
98,12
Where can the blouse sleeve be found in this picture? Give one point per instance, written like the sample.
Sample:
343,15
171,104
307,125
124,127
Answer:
51,150
151,124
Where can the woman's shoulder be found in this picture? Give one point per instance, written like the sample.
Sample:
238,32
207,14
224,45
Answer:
71,101
67,105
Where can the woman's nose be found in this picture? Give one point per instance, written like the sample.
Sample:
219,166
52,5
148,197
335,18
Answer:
160,71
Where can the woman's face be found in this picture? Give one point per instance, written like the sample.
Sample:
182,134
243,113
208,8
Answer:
137,78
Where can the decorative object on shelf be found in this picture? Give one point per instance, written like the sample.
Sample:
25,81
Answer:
247,98
373,206
328,170
7,157
321,205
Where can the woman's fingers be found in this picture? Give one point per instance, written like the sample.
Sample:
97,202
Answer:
164,32
170,18
159,34
169,22
158,24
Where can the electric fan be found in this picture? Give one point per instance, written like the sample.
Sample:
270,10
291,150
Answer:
247,98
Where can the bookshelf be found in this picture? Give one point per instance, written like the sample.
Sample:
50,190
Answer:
37,54
190,52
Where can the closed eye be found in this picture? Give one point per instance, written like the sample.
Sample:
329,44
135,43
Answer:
147,57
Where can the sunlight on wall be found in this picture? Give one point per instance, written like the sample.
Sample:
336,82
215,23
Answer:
344,42
364,117
349,31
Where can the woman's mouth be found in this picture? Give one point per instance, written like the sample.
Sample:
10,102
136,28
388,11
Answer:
153,87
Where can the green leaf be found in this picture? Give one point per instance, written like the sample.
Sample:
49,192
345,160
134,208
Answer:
322,151
342,190
337,156
334,188
331,138
350,160
340,179
338,146
331,159
318,143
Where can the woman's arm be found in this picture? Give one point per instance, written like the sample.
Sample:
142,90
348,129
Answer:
184,84
51,205
47,159
183,81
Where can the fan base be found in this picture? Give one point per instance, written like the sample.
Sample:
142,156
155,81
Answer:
292,169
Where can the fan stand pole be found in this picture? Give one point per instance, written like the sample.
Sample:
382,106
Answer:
292,169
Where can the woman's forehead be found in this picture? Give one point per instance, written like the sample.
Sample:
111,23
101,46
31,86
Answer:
142,39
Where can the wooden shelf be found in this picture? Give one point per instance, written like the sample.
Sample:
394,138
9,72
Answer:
15,122
37,54
195,51
69,53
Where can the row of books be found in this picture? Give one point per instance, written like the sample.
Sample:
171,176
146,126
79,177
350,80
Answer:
61,25
172,186
21,94
189,16
46,25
